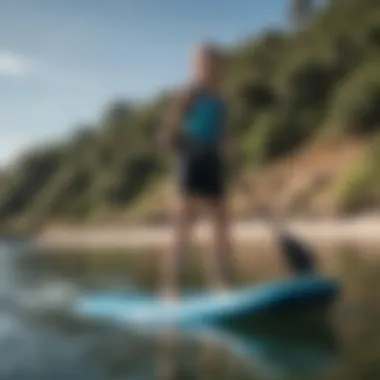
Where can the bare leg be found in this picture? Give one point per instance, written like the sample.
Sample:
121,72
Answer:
220,265
173,259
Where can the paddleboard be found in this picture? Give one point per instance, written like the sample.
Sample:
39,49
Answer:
149,312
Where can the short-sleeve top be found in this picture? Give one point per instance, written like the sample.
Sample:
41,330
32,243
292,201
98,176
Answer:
205,120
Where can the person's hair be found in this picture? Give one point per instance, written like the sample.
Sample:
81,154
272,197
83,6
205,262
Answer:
212,50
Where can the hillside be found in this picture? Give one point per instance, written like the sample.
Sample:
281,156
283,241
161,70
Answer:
305,108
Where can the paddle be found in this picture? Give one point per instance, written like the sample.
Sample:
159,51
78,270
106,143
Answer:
299,256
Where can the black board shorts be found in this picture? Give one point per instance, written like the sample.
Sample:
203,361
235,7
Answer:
202,174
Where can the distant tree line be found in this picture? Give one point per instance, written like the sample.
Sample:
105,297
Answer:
285,88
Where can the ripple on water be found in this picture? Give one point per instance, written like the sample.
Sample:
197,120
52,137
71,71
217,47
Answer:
29,352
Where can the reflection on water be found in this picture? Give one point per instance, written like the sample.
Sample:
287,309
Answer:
265,354
40,340
30,351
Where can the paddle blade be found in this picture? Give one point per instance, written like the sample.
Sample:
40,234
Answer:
300,257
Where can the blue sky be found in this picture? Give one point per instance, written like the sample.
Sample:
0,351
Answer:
62,61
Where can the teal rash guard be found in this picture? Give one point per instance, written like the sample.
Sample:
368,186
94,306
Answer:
206,119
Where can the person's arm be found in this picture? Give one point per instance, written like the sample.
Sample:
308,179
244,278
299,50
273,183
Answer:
170,128
229,143
233,154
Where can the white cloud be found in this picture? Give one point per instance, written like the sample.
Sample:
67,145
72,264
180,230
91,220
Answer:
12,64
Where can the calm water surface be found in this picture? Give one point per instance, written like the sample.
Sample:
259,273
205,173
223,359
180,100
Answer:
39,339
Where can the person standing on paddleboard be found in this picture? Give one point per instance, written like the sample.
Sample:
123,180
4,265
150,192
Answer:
196,127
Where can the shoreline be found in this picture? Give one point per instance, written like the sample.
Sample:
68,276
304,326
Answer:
343,231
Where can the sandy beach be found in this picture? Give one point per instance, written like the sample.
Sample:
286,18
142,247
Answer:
364,230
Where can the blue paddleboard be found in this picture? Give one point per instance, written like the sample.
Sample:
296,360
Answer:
195,310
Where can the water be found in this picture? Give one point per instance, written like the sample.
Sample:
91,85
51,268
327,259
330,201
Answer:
7,272
39,339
